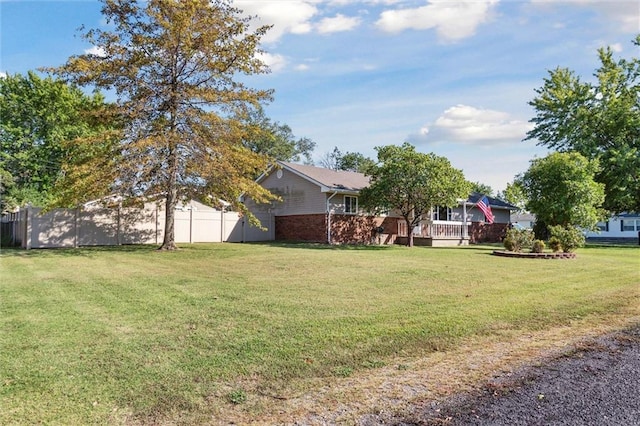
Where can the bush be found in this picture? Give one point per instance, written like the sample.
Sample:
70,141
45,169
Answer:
517,239
555,244
538,246
570,238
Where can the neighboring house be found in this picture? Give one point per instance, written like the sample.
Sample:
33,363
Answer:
625,226
523,220
321,205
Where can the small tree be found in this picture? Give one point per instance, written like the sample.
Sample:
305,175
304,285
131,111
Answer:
561,190
412,183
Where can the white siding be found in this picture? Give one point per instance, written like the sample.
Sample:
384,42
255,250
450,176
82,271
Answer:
618,227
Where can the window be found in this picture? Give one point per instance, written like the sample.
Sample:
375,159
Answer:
441,213
603,226
350,204
630,225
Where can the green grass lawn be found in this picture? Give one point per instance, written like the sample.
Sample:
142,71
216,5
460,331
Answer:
128,334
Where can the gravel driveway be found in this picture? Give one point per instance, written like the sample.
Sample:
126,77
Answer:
598,383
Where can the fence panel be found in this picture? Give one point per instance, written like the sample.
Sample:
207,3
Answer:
56,228
103,226
207,226
98,227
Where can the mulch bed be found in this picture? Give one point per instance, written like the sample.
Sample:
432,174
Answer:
558,255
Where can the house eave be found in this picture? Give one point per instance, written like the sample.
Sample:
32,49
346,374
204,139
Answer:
344,191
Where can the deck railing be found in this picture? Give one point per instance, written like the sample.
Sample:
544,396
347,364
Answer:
436,229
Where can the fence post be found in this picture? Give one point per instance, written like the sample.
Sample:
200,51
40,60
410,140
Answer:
76,230
118,224
190,224
27,229
223,225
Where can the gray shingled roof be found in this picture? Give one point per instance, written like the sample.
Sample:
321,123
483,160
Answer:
340,180
493,202
333,180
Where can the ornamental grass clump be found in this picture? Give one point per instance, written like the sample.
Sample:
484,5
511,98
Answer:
555,244
538,246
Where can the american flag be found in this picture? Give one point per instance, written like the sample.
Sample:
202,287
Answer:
483,204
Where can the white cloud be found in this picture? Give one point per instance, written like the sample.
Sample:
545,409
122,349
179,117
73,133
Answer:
451,20
3,74
95,50
337,23
275,62
302,67
625,13
467,124
616,47
292,16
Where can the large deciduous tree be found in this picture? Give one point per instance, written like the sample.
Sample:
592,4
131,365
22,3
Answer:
275,139
514,194
561,190
174,66
600,120
38,115
412,183
349,161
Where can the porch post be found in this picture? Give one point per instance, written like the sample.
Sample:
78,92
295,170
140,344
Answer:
465,230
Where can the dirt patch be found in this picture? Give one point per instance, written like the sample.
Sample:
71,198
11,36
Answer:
407,391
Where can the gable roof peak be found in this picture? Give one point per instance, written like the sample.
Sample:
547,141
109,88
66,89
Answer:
329,179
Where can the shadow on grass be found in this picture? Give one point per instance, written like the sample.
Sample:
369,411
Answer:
320,246
75,252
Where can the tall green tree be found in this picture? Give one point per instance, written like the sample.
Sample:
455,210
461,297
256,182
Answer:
514,194
175,67
355,162
600,120
349,161
482,188
412,183
276,140
37,117
561,190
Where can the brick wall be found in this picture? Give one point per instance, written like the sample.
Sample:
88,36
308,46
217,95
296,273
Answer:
307,227
487,232
350,229
345,229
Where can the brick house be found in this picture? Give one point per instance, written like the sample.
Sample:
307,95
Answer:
321,205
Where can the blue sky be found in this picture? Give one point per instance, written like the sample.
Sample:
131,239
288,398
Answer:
451,77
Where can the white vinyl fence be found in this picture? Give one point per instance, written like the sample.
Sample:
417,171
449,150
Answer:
194,223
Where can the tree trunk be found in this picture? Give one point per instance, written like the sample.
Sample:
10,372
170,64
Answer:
169,242
410,227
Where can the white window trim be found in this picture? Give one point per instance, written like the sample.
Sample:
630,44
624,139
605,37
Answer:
626,222
435,212
345,204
